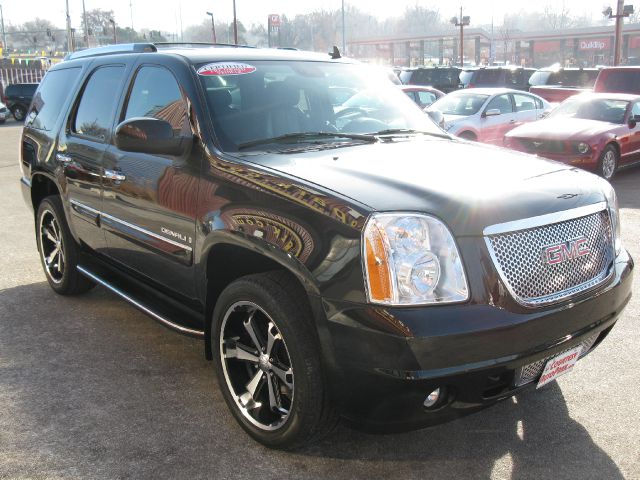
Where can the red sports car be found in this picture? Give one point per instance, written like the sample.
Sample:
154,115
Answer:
594,131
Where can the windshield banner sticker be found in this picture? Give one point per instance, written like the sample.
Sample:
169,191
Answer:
226,68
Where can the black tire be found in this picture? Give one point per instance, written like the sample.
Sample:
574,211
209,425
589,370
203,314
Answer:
282,301
63,276
19,112
468,136
607,169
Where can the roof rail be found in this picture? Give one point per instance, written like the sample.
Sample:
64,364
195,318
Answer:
198,45
113,50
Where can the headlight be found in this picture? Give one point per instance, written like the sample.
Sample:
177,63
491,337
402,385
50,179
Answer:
411,259
582,148
612,204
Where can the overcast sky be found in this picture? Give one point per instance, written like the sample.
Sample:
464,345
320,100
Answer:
165,15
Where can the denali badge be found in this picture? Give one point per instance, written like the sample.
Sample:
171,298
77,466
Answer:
562,252
177,235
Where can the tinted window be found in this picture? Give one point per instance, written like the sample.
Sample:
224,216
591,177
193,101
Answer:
156,94
513,77
524,102
95,111
502,103
50,98
619,81
493,76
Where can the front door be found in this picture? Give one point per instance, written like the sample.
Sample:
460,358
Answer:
81,148
494,127
149,199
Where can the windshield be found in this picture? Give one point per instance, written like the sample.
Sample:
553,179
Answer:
460,103
601,109
261,100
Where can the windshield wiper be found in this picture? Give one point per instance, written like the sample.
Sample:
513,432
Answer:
308,136
400,131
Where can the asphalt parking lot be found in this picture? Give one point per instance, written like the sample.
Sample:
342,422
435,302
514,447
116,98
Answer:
92,388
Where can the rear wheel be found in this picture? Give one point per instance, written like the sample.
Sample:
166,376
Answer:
269,366
608,163
19,112
58,250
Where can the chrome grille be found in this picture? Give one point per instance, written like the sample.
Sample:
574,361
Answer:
531,372
521,262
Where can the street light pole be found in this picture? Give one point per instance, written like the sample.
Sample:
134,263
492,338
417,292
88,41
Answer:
235,24
86,29
622,11
4,35
115,38
69,39
213,27
461,22
344,44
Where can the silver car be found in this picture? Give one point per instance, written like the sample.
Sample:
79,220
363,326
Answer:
487,114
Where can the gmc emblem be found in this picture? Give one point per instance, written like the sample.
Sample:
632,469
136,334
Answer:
563,252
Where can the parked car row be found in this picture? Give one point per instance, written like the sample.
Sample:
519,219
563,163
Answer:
595,131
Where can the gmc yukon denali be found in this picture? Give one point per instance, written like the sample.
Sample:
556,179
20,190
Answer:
339,262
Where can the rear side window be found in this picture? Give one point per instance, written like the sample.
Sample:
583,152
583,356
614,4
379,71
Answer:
488,76
51,97
156,94
524,102
96,108
618,81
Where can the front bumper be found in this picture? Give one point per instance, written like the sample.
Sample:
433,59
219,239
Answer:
383,362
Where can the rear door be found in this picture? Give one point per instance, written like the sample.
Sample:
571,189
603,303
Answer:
150,199
525,109
631,148
81,146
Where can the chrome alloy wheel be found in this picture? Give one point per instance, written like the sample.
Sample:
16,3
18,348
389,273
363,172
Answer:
608,164
256,365
51,246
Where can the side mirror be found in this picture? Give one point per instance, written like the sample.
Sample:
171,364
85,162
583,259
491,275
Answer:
150,135
492,112
436,116
633,121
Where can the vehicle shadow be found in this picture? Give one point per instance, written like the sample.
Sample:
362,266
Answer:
92,388
626,184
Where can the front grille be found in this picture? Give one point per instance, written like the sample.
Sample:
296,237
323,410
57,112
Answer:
543,146
531,372
522,259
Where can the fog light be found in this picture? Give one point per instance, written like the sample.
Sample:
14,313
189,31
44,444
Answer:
432,398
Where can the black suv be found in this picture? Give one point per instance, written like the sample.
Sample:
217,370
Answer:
445,79
353,263
501,77
18,97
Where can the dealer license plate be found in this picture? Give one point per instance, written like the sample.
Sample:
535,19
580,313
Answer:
559,365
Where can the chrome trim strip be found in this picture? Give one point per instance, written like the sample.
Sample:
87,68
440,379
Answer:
135,227
84,207
148,311
26,181
542,220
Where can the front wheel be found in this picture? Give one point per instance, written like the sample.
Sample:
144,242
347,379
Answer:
470,136
58,250
268,364
608,163
19,113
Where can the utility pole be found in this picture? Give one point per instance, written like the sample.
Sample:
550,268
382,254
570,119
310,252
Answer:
235,24
86,28
461,22
344,41
4,35
213,27
69,39
131,11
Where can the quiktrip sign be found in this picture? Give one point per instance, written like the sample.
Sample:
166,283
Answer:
594,44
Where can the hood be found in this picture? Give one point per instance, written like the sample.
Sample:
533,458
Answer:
563,129
469,186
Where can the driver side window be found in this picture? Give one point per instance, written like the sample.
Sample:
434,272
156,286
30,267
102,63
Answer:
502,103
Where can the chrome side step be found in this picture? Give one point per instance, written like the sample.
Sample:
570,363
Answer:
140,306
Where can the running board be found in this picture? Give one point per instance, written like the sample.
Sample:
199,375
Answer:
156,316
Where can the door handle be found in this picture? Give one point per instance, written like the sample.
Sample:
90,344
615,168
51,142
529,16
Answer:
63,158
512,121
114,175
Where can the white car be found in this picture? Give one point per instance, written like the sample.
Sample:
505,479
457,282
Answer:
4,113
487,114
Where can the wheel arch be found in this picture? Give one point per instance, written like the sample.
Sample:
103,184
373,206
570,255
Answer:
231,257
42,186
